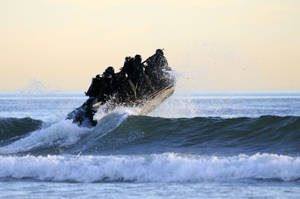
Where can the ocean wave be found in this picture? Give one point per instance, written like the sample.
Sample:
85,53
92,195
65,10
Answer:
121,133
143,134
168,167
62,135
11,127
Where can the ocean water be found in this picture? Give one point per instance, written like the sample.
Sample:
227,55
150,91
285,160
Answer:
194,145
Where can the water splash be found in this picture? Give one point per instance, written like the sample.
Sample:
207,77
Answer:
63,133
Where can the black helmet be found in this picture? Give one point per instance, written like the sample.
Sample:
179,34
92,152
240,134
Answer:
127,58
159,52
138,58
110,70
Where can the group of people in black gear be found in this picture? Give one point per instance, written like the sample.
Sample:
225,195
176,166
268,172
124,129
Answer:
135,82
135,79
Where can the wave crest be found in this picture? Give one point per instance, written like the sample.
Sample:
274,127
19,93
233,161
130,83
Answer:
11,127
119,133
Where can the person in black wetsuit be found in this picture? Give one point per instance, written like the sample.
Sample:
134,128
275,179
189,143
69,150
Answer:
133,68
139,69
156,68
102,86
121,87
129,68
93,90
156,64
108,82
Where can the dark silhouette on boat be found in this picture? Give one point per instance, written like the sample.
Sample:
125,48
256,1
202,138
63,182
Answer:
145,84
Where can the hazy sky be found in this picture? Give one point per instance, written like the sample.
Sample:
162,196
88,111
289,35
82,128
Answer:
214,45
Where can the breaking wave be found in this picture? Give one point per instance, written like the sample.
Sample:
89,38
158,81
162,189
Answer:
60,136
121,133
125,147
168,167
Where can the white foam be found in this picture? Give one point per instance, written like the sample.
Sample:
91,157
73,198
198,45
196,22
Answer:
167,167
65,133
62,133
119,110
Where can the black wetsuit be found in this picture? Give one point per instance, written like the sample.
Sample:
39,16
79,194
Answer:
93,90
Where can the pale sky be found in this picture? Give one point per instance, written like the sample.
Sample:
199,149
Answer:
214,45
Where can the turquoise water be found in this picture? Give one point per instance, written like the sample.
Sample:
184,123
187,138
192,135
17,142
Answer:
195,145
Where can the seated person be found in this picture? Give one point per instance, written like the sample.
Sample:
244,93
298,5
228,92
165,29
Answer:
158,59
128,67
93,89
107,85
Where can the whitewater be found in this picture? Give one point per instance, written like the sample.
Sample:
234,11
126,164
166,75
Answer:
196,145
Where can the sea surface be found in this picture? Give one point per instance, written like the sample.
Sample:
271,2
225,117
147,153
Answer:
194,145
